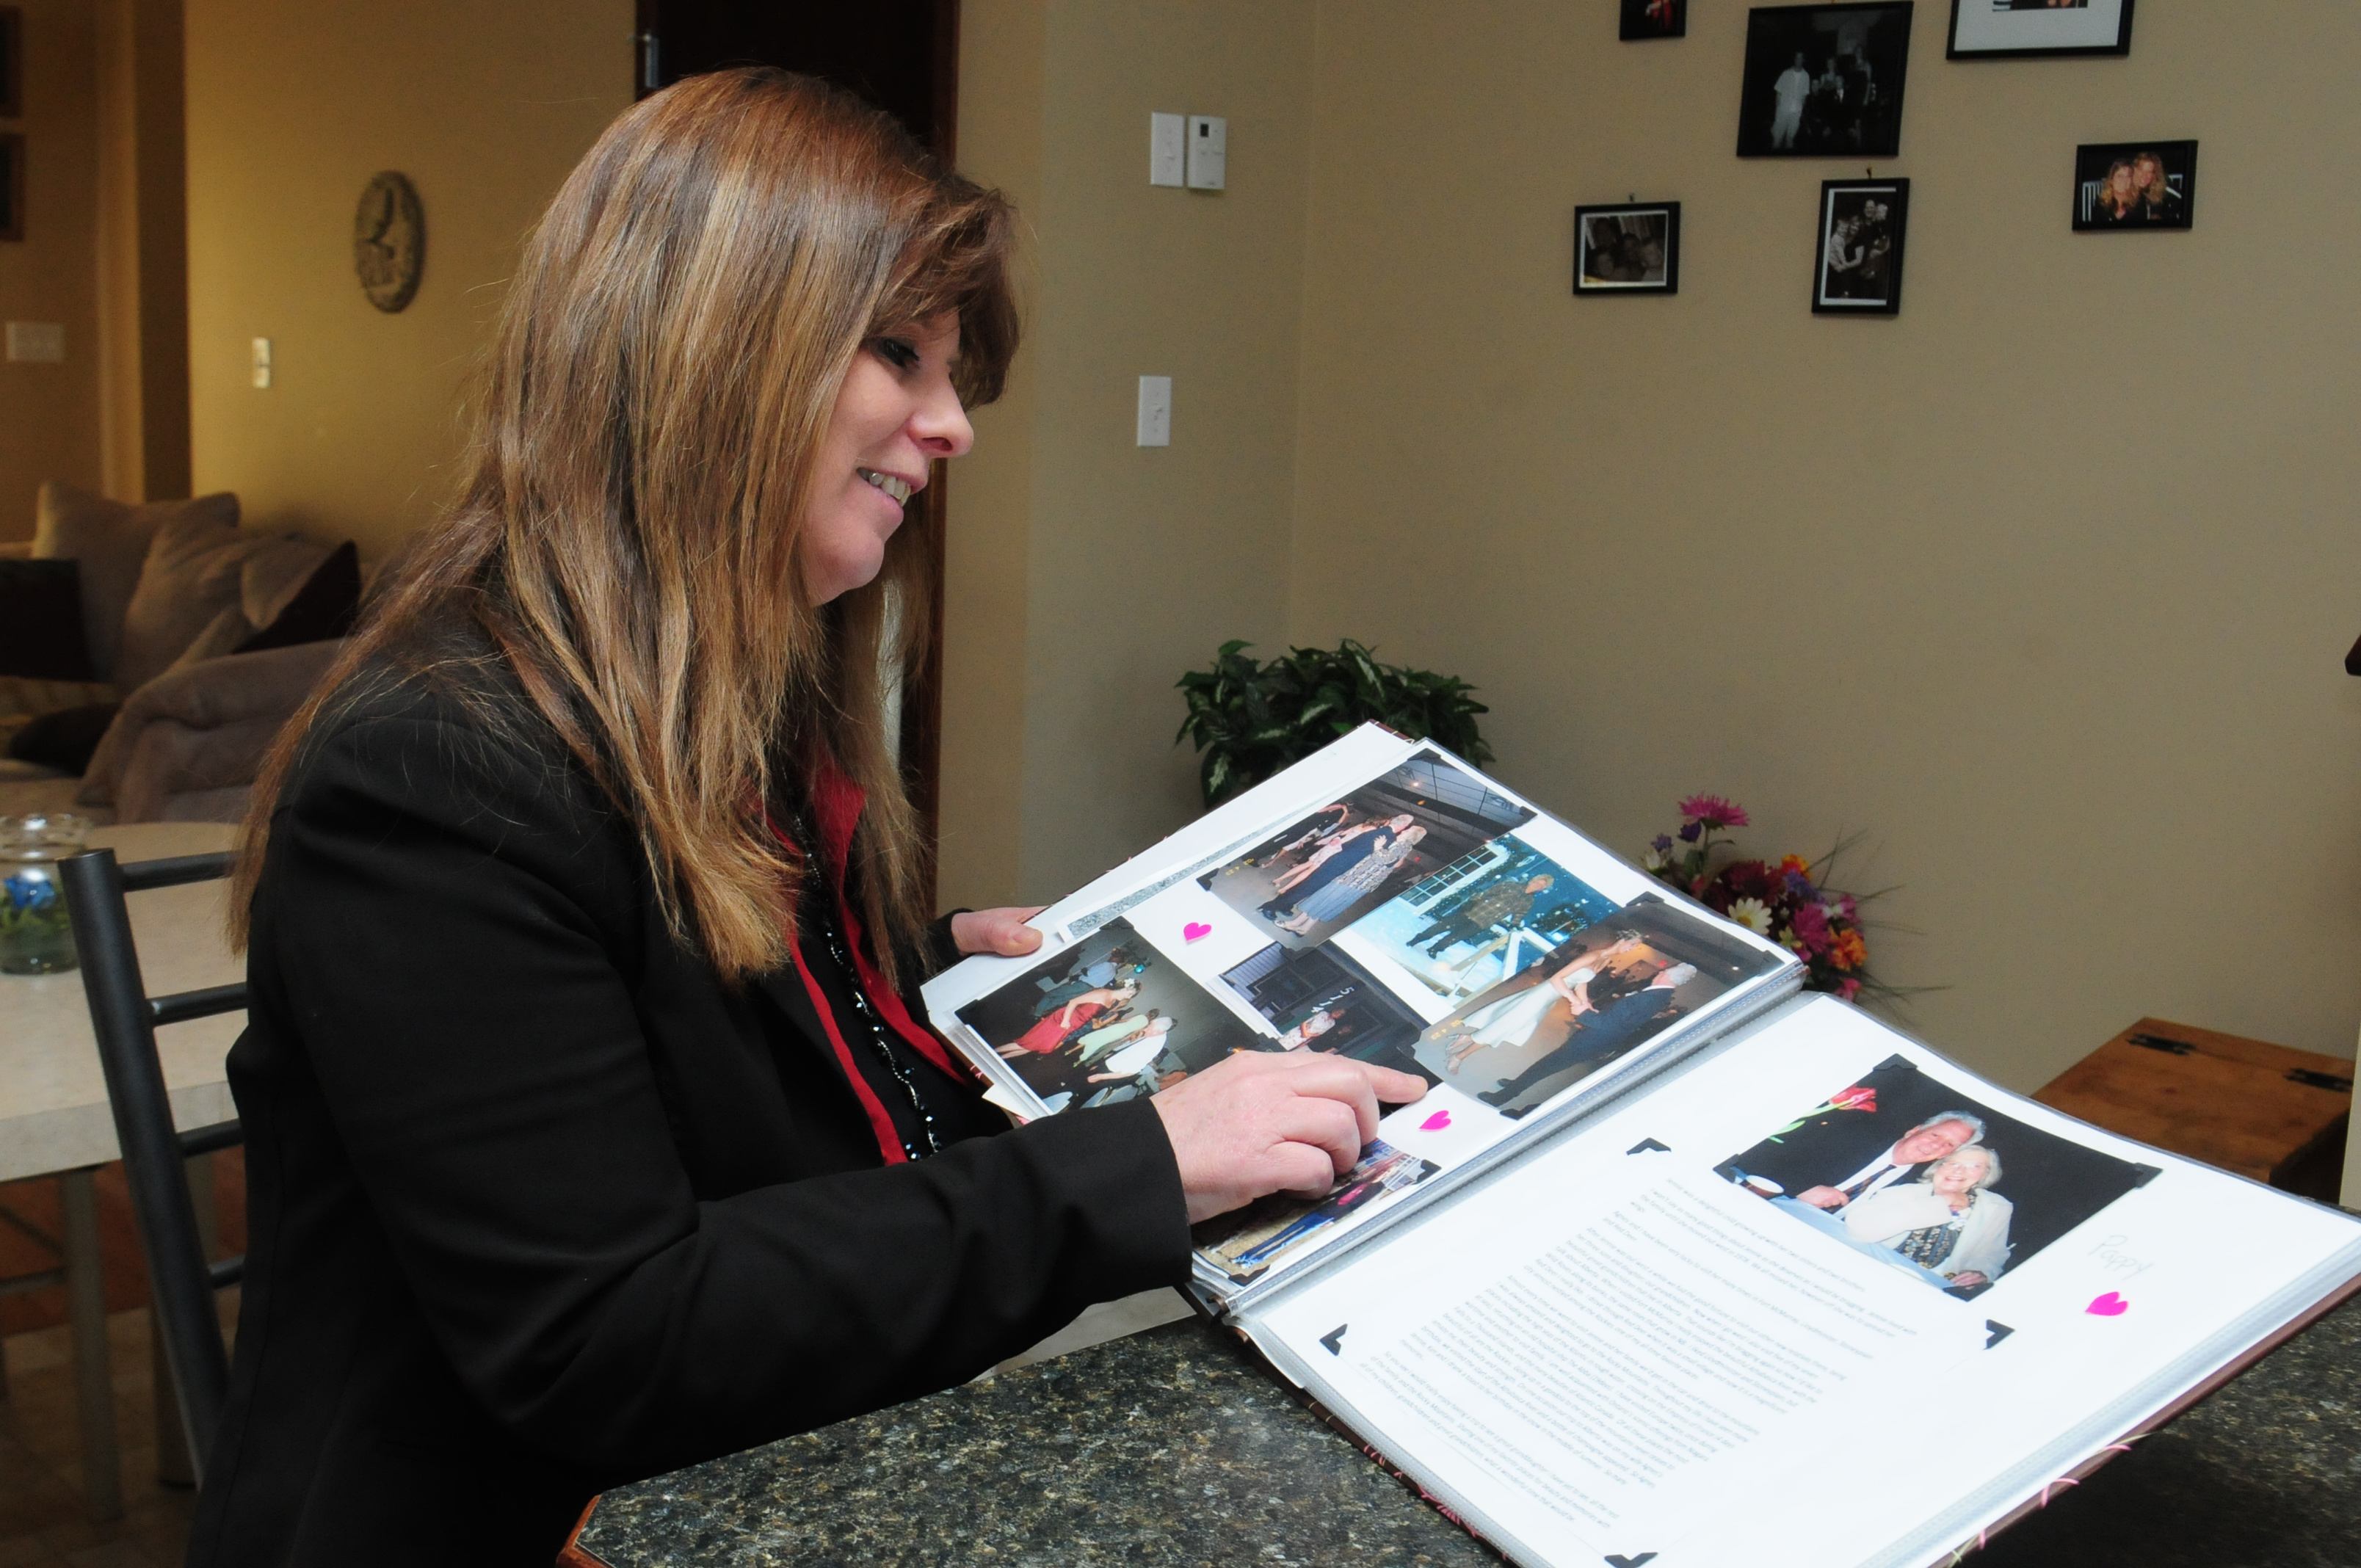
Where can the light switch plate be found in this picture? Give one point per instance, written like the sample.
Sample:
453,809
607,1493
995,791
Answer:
37,342
1156,410
1209,157
1167,136
261,363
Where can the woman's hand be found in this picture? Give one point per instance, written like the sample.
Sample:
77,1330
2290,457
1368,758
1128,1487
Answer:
1263,1122
1000,932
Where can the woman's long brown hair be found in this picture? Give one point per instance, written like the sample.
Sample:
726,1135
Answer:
628,535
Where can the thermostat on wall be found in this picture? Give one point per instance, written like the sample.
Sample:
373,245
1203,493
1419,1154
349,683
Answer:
1209,136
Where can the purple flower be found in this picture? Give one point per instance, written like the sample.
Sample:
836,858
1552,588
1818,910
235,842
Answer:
1689,831
1800,888
1662,843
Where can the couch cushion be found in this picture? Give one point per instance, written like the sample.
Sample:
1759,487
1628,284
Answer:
23,698
63,740
323,608
194,572
42,632
271,578
109,539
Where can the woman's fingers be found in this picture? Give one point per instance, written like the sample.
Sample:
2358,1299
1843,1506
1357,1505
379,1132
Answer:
1001,931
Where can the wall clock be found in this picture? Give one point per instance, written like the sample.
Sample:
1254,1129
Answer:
389,241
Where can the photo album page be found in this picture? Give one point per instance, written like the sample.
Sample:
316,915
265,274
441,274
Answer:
1380,901
1816,1297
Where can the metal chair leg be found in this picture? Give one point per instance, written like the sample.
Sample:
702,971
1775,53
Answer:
102,1461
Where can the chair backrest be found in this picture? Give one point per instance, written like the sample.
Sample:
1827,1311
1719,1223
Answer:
124,1018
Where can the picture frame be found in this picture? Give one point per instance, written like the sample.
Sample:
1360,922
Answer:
1644,19
12,61
12,186
1825,81
2134,186
1857,270
1628,248
2025,29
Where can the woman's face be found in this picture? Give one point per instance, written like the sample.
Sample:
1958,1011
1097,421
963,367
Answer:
1959,1173
895,415
2120,182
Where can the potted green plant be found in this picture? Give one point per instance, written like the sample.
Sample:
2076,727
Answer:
1251,718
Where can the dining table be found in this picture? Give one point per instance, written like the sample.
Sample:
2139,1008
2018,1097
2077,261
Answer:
54,1116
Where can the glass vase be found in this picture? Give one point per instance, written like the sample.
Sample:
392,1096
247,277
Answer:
36,938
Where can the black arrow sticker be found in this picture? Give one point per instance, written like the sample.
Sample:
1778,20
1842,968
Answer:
1331,1338
1631,1561
1645,1146
1995,1332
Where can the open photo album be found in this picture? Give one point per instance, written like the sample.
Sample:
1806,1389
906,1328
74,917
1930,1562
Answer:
1664,1239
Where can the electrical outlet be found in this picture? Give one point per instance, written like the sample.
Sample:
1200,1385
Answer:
1156,410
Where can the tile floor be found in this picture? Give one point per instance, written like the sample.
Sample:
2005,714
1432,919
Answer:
42,1521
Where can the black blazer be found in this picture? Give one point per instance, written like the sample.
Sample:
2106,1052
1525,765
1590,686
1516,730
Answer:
538,1204
1823,1151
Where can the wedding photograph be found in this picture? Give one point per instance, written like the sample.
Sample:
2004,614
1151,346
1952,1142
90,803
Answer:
1594,999
1628,249
1318,999
1859,269
1107,1019
1481,919
2134,185
1824,80
1325,869
2020,29
1245,1243
1912,1173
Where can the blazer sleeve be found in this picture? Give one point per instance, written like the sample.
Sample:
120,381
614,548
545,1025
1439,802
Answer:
441,913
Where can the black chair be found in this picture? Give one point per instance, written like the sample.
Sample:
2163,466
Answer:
124,1018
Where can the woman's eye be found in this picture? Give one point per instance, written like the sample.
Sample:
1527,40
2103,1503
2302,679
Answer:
897,353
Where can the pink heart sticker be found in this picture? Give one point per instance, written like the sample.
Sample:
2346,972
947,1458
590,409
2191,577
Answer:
1435,1123
1195,931
2108,1306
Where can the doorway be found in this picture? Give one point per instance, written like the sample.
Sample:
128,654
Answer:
903,56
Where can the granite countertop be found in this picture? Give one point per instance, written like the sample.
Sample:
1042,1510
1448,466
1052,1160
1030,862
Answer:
1176,1446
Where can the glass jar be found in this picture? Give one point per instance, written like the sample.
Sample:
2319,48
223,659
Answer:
35,936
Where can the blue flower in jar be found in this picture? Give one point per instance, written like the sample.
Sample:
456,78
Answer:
31,893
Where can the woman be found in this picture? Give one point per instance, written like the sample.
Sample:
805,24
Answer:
1318,1022
2119,195
591,1126
1332,898
1108,1035
1617,969
2159,201
1136,1058
1337,856
1051,1029
1947,1221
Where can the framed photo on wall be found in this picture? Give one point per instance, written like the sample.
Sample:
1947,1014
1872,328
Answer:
1859,270
1656,19
12,61
1824,80
2134,185
2013,29
12,186
1631,248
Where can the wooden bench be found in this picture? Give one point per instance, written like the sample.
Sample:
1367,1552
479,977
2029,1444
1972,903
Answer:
2248,1106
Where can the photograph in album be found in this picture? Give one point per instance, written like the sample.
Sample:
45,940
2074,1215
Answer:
1245,1243
1319,999
1324,870
1483,918
1594,999
1107,1019
1936,1184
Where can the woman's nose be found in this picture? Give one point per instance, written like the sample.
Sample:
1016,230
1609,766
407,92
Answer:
941,423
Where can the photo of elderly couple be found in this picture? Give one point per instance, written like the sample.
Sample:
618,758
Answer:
1910,1172
1606,992
1325,869
1105,1020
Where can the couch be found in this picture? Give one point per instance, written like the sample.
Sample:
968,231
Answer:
204,636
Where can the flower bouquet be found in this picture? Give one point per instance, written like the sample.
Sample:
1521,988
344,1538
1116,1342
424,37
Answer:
1788,900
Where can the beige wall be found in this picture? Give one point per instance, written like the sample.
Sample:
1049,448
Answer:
291,107
2042,586
143,277
1058,703
49,414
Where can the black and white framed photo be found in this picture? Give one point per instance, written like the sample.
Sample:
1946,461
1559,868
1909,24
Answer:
2014,29
1656,19
2134,185
1632,248
1824,80
12,186
1859,272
